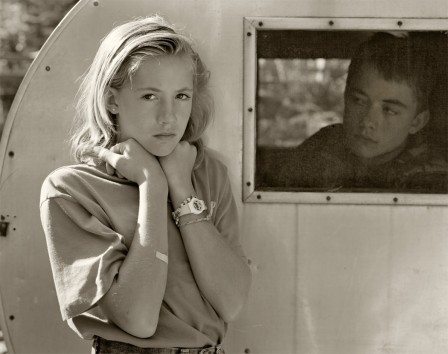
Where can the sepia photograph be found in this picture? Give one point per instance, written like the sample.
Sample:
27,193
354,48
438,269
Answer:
223,177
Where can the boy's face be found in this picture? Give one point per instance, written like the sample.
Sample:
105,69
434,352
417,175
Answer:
379,115
155,106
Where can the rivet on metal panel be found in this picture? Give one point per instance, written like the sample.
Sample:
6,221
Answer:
4,228
249,34
328,198
11,154
395,199
47,68
250,109
247,350
399,23
331,23
95,3
258,196
248,184
11,318
260,24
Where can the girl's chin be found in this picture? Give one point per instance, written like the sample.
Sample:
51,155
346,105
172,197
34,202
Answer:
160,149
161,152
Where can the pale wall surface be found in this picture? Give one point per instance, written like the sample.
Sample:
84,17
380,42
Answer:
328,279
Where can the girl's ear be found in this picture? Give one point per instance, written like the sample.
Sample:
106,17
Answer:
419,121
111,103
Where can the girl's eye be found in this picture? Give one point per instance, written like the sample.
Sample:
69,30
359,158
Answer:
183,96
149,97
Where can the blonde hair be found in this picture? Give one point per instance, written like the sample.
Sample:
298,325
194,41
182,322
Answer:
116,61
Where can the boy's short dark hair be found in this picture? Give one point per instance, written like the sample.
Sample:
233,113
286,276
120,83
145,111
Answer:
398,59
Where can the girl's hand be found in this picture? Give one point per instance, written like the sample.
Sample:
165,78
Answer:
178,167
130,160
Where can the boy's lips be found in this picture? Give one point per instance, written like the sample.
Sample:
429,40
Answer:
364,138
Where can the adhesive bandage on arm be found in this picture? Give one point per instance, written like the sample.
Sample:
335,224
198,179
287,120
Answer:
162,257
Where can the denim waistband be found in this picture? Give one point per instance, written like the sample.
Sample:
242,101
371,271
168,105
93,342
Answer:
104,346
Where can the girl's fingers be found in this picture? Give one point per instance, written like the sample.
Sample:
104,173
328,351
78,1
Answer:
111,157
110,170
107,156
117,148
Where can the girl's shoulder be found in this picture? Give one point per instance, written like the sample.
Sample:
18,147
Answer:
69,174
211,176
73,180
213,162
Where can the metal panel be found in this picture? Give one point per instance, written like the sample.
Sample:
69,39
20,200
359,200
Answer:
372,280
268,324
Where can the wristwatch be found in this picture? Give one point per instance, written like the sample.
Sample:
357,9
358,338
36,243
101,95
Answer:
191,205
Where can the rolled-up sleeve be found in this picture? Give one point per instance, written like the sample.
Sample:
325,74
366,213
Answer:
85,254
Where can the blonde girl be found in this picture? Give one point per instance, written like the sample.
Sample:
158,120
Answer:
142,233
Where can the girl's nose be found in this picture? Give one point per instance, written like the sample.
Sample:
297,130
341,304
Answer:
166,113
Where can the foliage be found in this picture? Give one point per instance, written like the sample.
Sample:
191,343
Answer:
25,25
297,97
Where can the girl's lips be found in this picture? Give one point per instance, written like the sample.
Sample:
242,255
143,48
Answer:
165,136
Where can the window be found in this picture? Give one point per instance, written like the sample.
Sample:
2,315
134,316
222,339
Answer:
311,136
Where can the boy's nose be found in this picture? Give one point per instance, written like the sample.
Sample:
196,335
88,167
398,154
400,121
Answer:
370,118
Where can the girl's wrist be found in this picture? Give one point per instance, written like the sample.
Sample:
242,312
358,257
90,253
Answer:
179,194
154,177
153,187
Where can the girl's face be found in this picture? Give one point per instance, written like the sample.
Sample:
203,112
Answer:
154,107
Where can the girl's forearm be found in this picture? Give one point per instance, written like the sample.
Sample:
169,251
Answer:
221,274
223,277
134,299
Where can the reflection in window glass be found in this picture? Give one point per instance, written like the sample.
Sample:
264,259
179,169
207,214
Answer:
297,97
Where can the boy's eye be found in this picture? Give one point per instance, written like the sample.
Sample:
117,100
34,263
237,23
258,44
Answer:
388,110
358,100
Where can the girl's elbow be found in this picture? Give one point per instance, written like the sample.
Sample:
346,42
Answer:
230,311
141,328
229,316
138,321
140,324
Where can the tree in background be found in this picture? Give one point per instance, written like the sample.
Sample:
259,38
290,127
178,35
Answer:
25,25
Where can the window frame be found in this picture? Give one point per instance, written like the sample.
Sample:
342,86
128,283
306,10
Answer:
252,26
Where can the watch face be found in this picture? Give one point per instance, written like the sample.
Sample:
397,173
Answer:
197,205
